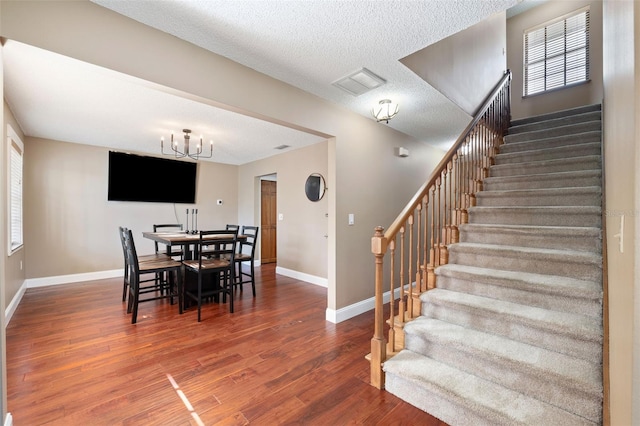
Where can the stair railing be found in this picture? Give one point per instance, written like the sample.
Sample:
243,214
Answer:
416,242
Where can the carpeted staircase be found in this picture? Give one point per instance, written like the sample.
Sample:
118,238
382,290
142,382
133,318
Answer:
513,332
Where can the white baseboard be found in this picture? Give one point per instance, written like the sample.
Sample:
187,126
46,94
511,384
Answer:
312,279
13,305
8,421
348,312
72,278
57,280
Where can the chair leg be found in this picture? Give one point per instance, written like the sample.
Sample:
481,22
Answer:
199,295
125,287
135,296
231,286
253,279
180,291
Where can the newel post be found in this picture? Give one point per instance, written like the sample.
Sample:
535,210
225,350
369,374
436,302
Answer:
378,342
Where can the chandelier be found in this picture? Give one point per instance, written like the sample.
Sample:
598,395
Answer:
384,111
184,150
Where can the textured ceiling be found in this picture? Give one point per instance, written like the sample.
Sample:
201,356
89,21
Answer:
308,44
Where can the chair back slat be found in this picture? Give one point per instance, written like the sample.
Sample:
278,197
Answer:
251,232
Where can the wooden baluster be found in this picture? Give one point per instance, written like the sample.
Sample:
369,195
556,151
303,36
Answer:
445,212
425,251
378,343
453,211
438,221
431,276
418,251
410,264
403,292
392,326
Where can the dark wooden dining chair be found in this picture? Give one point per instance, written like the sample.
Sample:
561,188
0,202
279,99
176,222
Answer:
144,258
246,253
160,290
217,264
168,227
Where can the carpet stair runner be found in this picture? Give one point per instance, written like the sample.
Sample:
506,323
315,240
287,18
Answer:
513,332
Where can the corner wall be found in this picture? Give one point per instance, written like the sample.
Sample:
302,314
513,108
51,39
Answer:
302,234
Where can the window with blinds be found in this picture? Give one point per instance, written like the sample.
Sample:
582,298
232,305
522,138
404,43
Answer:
557,54
16,150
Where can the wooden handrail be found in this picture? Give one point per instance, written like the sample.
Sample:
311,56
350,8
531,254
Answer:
421,233
410,207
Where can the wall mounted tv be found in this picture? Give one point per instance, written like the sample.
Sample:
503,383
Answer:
150,179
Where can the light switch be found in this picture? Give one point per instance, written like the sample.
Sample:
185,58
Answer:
352,219
280,216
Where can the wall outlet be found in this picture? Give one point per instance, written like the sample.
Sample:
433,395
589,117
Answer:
280,216
352,219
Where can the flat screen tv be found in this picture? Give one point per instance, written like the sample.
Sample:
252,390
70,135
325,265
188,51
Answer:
150,179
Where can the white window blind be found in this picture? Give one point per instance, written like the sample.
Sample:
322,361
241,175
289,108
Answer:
16,150
557,54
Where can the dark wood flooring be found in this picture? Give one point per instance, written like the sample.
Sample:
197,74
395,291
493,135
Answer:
74,358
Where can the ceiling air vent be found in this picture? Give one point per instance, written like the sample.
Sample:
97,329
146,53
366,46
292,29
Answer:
359,82
282,147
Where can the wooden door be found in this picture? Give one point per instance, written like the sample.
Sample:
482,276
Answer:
268,222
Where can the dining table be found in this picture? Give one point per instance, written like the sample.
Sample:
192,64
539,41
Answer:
188,241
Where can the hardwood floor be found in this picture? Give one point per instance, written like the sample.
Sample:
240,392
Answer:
74,358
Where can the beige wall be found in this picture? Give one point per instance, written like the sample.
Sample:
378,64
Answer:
302,234
14,274
621,134
362,167
446,65
584,94
72,228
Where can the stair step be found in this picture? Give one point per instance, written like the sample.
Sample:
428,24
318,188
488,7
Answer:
582,216
587,126
541,154
569,383
553,142
589,162
554,122
563,294
460,398
566,263
557,114
570,334
551,237
548,180
585,196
